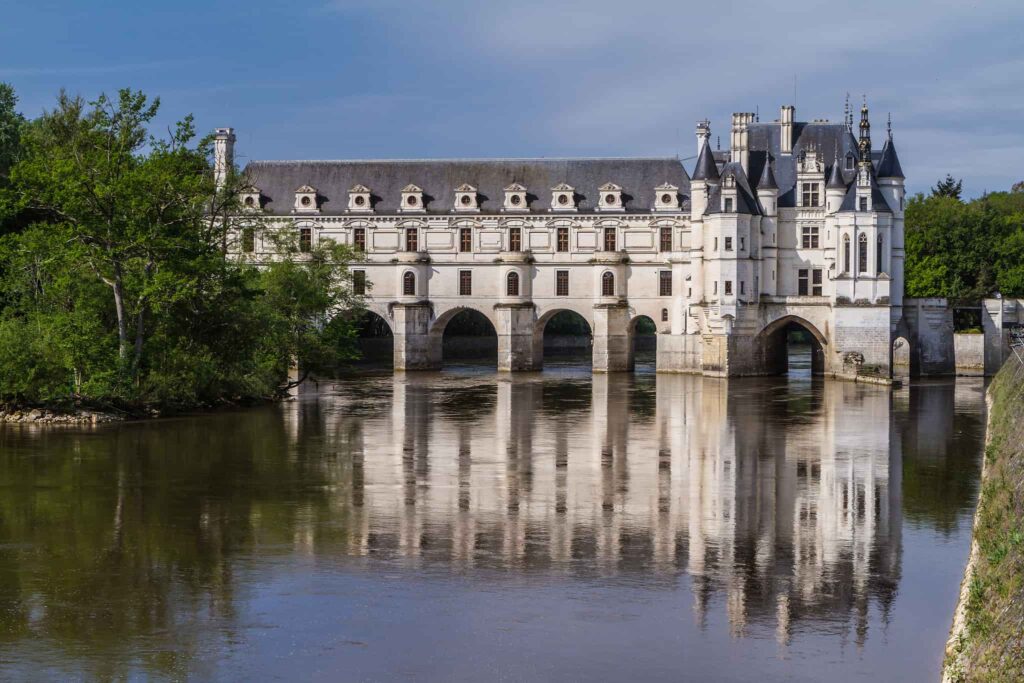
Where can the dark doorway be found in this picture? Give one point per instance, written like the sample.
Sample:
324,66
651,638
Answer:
567,339
470,339
793,349
643,339
375,342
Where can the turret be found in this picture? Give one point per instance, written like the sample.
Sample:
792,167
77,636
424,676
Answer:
705,175
223,154
835,188
890,173
768,190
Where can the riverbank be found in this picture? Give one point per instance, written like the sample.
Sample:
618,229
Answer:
987,639
56,417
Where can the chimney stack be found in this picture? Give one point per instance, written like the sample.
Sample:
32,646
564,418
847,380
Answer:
786,119
703,133
223,155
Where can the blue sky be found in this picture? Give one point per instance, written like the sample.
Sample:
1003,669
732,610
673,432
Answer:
451,78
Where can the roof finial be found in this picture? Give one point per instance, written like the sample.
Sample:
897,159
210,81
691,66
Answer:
846,112
718,142
757,113
865,133
888,126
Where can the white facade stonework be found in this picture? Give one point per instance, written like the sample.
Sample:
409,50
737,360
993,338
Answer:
797,223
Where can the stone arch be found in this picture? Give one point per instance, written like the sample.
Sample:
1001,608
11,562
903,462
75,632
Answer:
772,344
376,339
641,343
565,347
473,348
444,316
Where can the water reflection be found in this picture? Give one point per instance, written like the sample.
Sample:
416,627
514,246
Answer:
777,508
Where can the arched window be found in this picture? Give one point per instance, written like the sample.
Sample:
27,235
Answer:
512,284
878,255
862,254
664,315
409,284
608,284
846,253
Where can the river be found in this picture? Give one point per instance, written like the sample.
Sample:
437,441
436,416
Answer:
468,526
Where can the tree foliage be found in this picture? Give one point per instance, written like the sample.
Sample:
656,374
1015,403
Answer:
122,288
948,187
965,250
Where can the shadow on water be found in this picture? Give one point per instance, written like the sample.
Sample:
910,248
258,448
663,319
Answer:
452,525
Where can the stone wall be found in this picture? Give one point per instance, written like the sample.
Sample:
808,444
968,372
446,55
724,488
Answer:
969,351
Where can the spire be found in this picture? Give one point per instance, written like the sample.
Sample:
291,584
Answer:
846,113
767,181
706,169
835,179
889,165
865,134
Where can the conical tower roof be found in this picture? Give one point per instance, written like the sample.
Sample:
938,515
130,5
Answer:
706,168
835,179
767,181
889,166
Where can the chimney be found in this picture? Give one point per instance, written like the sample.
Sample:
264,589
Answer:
739,145
786,119
223,154
703,133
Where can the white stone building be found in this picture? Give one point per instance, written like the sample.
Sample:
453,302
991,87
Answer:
798,223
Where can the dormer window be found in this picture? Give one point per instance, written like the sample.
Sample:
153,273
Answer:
727,205
306,200
359,199
849,161
466,198
810,194
250,198
515,198
412,199
610,197
563,197
666,197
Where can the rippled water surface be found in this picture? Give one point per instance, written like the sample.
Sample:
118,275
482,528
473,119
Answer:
471,526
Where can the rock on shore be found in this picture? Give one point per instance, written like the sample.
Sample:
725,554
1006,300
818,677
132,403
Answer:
41,416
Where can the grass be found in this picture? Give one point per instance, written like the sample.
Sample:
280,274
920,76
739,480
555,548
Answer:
991,647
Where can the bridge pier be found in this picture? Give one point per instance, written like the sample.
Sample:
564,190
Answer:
516,347
613,348
415,348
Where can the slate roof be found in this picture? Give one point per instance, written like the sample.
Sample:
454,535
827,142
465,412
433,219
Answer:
878,202
705,168
827,139
889,165
746,198
278,180
767,181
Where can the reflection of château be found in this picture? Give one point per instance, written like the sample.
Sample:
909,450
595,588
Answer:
782,510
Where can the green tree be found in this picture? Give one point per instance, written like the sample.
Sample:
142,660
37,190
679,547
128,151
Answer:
950,187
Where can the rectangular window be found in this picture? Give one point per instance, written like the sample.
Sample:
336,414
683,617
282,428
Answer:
666,239
728,205
561,283
465,283
305,240
802,281
743,243
563,239
878,255
359,281
465,240
609,239
809,237
689,292
359,238
863,203
412,239
716,244
810,194
714,288
743,286
665,283
248,240
816,282
728,287
515,239
728,244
